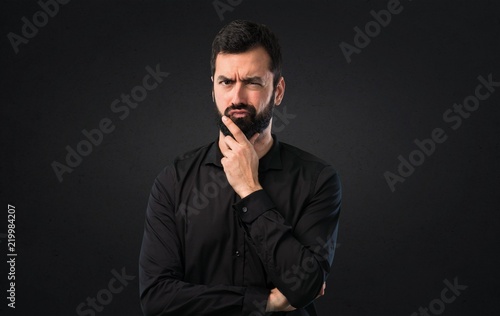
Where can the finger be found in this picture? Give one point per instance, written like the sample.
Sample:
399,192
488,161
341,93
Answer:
231,143
290,308
254,138
227,153
235,130
322,291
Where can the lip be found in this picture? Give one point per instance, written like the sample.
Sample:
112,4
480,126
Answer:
238,113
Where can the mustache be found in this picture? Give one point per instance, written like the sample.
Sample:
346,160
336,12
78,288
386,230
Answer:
240,106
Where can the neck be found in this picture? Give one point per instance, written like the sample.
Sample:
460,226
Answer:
263,143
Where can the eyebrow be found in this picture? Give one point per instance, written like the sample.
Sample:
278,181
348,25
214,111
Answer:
223,78
246,80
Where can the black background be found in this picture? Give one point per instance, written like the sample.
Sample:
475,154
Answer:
395,248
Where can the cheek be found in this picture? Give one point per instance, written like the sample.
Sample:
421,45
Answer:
220,108
221,96
263,99
258,97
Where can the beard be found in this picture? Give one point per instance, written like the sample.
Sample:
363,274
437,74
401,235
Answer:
250,124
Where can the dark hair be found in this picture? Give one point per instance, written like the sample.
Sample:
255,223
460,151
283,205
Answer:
240,36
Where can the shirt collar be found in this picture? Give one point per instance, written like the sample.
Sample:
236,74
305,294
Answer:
271,160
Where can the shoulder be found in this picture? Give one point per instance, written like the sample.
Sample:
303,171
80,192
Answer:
311,168
292,154
193,155
185,162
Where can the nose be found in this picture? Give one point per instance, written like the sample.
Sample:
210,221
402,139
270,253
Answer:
239,94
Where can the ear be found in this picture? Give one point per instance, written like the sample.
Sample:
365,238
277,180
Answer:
280,91
213,96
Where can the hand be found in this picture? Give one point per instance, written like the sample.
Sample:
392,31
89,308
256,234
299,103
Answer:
322,292
277,302
240,160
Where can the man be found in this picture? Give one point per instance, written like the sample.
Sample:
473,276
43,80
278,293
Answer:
245,225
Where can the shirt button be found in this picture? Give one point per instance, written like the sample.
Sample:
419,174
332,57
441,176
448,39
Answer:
237,253
244,209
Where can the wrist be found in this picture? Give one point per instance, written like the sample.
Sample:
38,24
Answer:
250,190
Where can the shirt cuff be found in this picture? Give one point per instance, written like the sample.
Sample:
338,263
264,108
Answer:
253,205
255,301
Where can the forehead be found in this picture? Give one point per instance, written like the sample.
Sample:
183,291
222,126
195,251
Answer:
252,62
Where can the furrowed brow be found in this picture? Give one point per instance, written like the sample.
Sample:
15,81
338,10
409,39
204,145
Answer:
224,78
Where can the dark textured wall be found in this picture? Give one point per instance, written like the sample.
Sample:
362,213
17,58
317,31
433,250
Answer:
398,249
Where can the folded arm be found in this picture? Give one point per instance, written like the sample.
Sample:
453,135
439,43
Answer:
161,272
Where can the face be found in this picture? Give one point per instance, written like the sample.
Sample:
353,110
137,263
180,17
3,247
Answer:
243,90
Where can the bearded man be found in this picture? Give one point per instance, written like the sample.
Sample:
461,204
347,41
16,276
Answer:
245,225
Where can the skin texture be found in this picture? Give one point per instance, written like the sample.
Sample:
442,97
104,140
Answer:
246,78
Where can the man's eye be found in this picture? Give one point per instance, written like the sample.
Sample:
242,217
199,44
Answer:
225,82
255,83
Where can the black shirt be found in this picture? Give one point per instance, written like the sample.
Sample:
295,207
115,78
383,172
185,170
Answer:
205,251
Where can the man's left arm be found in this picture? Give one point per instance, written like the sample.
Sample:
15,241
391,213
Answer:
297,259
